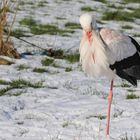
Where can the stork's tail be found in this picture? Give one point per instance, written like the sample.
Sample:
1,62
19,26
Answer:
129,78
134,71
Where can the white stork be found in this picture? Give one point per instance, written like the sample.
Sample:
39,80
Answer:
106,52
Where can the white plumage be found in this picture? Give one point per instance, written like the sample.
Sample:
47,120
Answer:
106,52
115,47
101,65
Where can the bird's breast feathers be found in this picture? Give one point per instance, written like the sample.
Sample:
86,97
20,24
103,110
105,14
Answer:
93,57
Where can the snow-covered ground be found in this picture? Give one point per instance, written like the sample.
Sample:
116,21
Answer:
64,105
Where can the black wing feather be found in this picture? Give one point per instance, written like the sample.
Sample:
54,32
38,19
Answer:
134,71
136,44
122,74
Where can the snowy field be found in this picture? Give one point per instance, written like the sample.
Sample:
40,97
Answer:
57,101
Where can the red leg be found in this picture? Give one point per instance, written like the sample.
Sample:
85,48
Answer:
110,97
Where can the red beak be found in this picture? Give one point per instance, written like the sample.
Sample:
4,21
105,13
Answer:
89,36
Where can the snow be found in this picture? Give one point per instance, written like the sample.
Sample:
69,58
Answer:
69,105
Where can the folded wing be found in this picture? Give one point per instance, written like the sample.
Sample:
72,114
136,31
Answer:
123,53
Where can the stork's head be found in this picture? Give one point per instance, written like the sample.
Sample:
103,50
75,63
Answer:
88,24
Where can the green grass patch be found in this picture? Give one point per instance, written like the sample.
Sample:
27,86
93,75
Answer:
42,3
127,27
136,13
65,124
23,83
60,18
30,3
72,25
39,70
100,117
125,85
115,7
38,29
131,90
3,82
117,114
136,35
21,3
68,69
131,1
19,84
22,67
117,15
18,33
59,54
28,22
129,138
72,58
47,61
50,29
87,9
103,1
132,96
4,90
120,15
44,29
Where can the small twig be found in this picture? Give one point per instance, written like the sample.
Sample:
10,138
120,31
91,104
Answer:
3,18
10,29
32,44
70,49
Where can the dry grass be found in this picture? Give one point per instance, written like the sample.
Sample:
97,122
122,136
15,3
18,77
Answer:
6,45
3,18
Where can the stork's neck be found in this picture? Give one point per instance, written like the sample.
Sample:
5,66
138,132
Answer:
91,34
95,33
